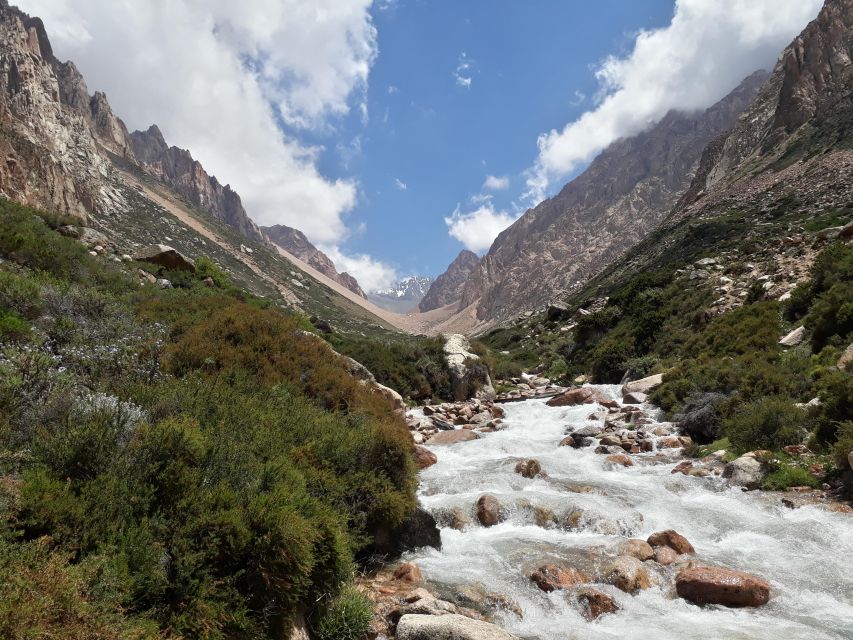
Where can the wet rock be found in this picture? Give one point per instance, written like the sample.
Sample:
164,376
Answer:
665,555
611,440
590,431
551,577
628,574
746,472
408,572
568,441
528,468
477,597
448,627
417,530
635,397
714,585
544,517
639,549
595,603
488,510
577,396
620,459
453,437
424,457
166,257
671,539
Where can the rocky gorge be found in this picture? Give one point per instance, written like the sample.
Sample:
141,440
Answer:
575,513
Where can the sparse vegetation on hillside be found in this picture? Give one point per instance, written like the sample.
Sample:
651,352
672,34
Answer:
184,462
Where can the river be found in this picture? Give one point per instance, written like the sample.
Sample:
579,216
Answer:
806,554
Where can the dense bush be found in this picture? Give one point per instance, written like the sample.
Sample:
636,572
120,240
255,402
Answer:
347,617
177,463
768,423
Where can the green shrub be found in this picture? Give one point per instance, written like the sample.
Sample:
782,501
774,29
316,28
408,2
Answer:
19,294
347,617
789,475
12,326
768,423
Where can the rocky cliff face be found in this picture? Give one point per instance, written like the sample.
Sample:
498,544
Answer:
51,156
177,168
627,190
295,243
57,140
448,287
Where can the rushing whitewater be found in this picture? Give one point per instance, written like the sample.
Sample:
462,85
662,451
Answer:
806,554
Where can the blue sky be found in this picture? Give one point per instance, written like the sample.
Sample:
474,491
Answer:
372,125
531,64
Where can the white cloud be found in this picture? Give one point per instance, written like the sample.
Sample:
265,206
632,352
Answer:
370,273
579,99
463,71
392,89
477,229
496,183
402,186
707,49
218,79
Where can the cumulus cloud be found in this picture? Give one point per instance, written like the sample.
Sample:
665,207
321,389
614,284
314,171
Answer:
706,50
220,81
463,71
371,274
496,183
477,229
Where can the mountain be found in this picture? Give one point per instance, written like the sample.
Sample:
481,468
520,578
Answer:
447,289
626,191
177,168
66,152
403,296
295,243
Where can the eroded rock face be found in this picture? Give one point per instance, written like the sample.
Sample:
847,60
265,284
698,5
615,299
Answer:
448,627
714,585
294,242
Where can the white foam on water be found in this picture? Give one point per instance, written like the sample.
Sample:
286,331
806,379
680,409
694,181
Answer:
806,554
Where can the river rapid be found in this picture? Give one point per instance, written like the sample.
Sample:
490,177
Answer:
806,554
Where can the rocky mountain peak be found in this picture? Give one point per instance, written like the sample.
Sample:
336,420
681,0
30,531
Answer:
624,193
294,242
449,286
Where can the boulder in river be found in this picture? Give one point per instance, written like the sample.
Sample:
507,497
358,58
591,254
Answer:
671,539
417,530
469,376
448,627
665,555
528,468
551,577
424,457
639,549
595,603
715,585
619,459
453,437
628,574
747,471
568,441
577,396
488,510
